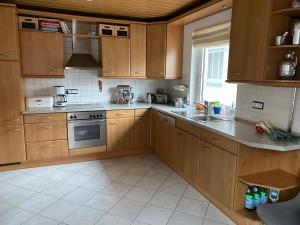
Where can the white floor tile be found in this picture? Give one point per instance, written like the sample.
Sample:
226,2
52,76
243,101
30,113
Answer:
127,208
40,220
80,196
109,219
40,184
84,216
150,183
211,222
213,213
139,223
73,167
6,175
37,203
117,189
174,188
109,174
15,216
128,178
22,179
140,170
154,215
7,188
140,194
18,196
42,171
59,210
147,162
192,207
59,190
76,179
95,184
194,194
59,175
165,200
91,171
158,174
120,166
5,207
103,202
174,177
179,218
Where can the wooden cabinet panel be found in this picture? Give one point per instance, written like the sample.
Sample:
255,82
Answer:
120,133
141,112
178,157
188,127
45,118
12,144
216,173
142,132
42,53
9,39
46,150
156,50
115,114
11,98
45,132
138,50
115,56
248,41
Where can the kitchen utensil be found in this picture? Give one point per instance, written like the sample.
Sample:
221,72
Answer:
295,4
288,66
41,101
60,97
125,94
296,33
279,40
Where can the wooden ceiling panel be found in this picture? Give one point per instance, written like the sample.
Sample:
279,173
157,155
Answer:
142,9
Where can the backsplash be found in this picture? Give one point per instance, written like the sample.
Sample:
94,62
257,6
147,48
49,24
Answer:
86,81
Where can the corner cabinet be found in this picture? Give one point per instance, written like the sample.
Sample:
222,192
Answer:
9,39
42,53
164,51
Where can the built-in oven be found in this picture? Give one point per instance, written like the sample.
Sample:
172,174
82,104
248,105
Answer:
86,129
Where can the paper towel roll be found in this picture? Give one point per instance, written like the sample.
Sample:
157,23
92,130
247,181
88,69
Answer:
179,87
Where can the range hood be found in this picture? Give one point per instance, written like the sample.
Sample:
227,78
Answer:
81,52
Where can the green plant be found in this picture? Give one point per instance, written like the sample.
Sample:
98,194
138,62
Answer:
216,104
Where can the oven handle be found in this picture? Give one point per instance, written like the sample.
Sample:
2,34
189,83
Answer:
86,121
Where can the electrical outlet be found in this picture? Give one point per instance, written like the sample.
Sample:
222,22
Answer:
258,105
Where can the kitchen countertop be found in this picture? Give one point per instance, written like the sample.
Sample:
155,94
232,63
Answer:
236,130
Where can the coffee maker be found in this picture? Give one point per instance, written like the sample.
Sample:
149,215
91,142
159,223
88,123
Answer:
125,94
60,97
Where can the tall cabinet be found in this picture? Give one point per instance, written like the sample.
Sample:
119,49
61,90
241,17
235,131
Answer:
12,144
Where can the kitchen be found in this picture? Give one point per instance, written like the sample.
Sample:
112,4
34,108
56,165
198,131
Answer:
179,112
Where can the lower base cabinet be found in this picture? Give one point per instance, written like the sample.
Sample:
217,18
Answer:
216,173
142,132
12,144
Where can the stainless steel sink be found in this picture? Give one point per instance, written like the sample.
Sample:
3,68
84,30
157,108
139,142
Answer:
206,118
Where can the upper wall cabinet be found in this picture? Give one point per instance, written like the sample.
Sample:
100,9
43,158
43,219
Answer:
248,41
114,56
164,51
138,50
42,53
9,43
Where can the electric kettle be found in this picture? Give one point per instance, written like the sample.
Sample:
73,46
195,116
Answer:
287,68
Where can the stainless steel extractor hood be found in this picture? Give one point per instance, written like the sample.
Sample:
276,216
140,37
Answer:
81,54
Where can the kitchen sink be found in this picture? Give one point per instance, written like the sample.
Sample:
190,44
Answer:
206,118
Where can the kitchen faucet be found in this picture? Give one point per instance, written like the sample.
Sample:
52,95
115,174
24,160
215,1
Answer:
205,105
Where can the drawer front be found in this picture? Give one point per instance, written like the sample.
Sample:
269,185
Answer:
46,150
142,112
189,128
45,132
220,141
114,114
45,118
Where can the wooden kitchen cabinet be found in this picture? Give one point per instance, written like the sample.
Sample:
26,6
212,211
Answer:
138,50
12,144
42,53
248,40
9,39
164,51
142,132
120,133
11,98
217,173
114,56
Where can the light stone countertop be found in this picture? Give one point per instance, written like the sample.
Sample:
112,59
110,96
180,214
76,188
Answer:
238,131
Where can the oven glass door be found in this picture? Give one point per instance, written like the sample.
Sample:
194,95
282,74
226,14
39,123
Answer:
86,133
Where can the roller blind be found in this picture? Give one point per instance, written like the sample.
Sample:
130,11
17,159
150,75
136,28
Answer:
210,36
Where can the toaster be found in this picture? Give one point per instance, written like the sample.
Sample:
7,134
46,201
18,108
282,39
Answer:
40,101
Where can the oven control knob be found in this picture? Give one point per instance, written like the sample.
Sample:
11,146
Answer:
75,117
71,117
94,116
98,115
91,116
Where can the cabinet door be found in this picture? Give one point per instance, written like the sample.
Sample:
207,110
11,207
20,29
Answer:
9,39
178,155
248,41
217,169
42,54
156,50
142,132
12,144
138,50
120,133
11,98
115,57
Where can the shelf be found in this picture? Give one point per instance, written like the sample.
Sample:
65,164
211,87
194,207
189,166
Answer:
82,36
250,215
277,179
288,12
284,46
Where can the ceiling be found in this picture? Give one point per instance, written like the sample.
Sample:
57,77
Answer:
148,10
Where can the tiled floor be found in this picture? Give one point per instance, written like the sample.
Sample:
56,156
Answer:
137,190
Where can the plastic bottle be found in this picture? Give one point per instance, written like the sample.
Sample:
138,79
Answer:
249,199
263,196
256,193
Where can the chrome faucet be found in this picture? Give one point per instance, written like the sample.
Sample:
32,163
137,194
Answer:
205,105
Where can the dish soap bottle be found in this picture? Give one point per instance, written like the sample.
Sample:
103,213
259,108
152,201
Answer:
249,199
263,196
256,194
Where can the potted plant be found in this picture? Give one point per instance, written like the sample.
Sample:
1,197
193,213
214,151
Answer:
217,106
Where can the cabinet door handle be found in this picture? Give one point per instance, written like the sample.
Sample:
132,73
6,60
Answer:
6,54
138,72
113,123
120,114
50,127
14,130
235,73
13,120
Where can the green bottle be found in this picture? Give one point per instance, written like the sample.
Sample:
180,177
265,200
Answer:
249,199
263,196
256,193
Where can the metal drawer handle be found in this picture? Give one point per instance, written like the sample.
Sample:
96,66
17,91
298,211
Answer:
6,54
13,120
138,72
113,123
13,130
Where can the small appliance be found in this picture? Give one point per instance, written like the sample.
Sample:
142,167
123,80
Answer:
125,94
40,101
287,69
106,30
121,31
160,97
28,22
60,97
